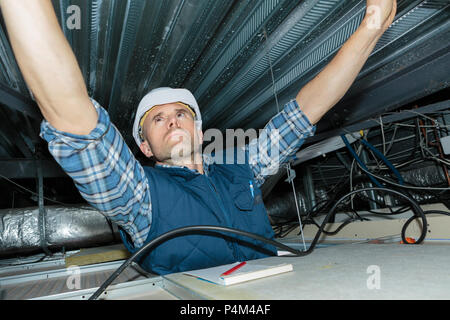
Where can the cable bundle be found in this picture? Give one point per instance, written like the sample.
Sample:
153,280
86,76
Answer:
418,213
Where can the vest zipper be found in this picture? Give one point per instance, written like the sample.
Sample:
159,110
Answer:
228,221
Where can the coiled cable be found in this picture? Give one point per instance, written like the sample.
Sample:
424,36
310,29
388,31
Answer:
295,253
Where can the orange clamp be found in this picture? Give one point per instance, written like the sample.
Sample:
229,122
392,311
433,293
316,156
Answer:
409,240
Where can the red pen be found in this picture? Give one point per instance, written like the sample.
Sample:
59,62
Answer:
240,265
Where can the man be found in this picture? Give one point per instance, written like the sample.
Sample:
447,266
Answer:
185,187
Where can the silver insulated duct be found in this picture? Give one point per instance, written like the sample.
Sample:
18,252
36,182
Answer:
23,232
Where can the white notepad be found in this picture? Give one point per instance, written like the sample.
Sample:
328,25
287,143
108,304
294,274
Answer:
246,273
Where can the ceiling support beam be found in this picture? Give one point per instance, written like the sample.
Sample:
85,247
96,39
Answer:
26,168
15,101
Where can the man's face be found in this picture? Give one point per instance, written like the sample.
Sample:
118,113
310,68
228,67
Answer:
169,132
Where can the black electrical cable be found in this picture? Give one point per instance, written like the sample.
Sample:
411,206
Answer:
185,230
437,212
416,208
295,253
400,210
282,233
405,226
332,233
316,209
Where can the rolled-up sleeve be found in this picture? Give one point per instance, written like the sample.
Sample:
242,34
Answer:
105,172
279,141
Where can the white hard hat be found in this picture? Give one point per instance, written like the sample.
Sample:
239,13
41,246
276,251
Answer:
160,96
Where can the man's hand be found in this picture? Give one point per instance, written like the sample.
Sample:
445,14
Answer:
380,14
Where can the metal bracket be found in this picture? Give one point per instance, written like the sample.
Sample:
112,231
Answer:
291,174
42,213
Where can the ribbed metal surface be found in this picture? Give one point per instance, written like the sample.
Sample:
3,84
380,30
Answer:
242,36
310,58
133,14
51,286
305,22
160,43
94,43
409,21
322,49
220,50
9,71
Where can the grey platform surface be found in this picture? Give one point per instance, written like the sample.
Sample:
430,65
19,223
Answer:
345,271
40,282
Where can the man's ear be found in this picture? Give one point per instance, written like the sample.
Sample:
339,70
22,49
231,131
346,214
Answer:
146,150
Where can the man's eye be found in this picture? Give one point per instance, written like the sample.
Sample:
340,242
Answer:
180,114
158,119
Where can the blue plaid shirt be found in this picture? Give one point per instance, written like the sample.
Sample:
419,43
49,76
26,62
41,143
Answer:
110,178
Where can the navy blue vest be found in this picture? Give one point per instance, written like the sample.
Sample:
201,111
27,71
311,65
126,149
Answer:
224,197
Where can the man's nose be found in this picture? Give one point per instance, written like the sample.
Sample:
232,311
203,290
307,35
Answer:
172,121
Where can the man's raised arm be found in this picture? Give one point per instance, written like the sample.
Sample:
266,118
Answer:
86,144
330,85
48,65
297,120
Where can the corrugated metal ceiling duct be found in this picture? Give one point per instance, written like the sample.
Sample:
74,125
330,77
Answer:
68,227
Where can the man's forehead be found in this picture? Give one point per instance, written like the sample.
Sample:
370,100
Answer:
169,107
165,107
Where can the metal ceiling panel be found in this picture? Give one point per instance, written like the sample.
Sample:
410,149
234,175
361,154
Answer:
234,56
290,33
309,60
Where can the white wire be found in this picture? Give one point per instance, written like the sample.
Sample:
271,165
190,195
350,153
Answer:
351,183
396,165
358,152
288,168
398,140
399,185
412,125
434,156
423,147
296,206
422,115
36,194
420,126
409,187
382,136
